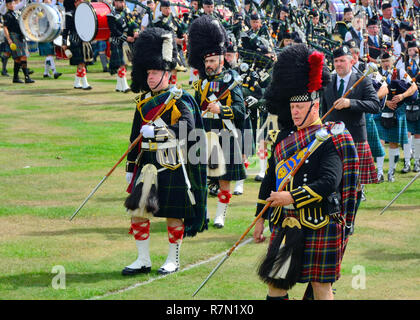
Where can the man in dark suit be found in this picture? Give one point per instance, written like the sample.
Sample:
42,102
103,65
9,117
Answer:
351,109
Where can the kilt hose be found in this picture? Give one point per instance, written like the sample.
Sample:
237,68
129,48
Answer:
373,137
21,48
397,134
367,169
323,250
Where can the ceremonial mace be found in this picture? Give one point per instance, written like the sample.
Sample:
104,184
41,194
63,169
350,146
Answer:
400,193
174,93
321,135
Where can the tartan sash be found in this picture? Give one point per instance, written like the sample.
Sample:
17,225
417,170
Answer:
284,167
295,142
150,106
347,151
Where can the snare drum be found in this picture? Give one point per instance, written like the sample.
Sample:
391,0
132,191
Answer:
91,21
40,22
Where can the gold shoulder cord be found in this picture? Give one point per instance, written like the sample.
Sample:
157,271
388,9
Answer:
169,106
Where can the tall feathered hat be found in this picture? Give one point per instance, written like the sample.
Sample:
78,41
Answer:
299,75
155,49
206,37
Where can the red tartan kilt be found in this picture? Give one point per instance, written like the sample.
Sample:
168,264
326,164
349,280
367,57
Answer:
367,169
323,252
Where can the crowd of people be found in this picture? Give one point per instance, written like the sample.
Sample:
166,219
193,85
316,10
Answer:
330,82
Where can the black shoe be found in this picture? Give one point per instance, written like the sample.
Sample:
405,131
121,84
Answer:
87,88
380,178
30,71
4,73
17,80
126,90
29,80
46,76
57,74
131,272
218,225
258,178
406,168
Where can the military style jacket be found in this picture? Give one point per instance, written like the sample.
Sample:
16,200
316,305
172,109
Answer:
315,188
232,104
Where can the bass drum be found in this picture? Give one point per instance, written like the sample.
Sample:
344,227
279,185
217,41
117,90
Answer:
40,22
91,21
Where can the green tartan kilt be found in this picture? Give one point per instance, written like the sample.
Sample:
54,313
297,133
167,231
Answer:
76,48
397,134
173,198
414,126
373,137
19,41
116,59
235,169
46,48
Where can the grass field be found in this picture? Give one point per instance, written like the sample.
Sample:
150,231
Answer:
57,143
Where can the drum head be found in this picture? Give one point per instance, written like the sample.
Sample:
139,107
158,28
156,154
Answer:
86,22
40,22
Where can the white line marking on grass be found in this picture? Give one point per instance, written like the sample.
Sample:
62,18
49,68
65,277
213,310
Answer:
139,284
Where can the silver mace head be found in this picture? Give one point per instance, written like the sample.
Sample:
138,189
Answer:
176,92
372,67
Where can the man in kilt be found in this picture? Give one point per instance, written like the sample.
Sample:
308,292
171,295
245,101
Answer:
223,111
412,67
81,52
46,49
5,51
163,182
351,110
392,125
119,26
311,214
16,41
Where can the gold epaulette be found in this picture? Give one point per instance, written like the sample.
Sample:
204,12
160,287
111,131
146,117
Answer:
196,85
272,136
137,99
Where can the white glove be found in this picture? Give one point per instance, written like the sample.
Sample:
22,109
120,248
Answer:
148,131
129,177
